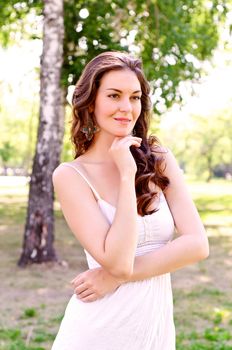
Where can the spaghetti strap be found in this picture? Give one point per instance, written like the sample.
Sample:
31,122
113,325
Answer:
84,177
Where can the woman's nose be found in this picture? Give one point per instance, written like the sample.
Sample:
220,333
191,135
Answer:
125,105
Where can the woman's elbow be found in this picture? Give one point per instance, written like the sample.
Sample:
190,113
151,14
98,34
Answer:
203,248
122,273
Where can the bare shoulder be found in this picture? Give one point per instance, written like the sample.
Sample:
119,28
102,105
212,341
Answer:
169,162
78,204
171,169
66,179
59,171
62,167
171,166
64,171
159,149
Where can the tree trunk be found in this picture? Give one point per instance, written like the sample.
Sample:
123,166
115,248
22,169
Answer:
38,235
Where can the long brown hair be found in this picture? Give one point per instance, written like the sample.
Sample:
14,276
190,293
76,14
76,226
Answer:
149,162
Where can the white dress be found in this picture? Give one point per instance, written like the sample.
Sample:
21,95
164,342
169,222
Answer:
138,315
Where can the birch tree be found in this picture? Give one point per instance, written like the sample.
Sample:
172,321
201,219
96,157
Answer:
38,235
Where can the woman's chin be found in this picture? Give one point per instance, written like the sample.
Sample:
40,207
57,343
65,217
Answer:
123,133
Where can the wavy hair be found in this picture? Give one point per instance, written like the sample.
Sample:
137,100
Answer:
150,165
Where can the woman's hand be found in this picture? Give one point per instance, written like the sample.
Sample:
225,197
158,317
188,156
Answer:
121,154
94,284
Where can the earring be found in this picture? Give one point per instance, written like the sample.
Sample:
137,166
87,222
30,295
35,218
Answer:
90,129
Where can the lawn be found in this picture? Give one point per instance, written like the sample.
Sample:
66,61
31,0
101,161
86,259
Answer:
33,299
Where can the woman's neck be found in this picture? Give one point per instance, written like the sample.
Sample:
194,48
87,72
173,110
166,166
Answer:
98,152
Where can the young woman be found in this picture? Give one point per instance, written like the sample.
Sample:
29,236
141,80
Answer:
122,196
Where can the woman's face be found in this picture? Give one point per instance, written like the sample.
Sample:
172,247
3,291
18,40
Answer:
118,102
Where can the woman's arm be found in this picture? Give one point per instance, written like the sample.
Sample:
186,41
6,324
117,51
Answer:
112,246
192,243
190,247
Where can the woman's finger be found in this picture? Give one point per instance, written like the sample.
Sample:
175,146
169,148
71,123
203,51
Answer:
125,139
127,144
77,280
89,298
84,293
81,288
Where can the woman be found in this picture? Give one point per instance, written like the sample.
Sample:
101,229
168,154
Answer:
122,196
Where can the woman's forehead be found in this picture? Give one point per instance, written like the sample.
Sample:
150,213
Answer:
123,79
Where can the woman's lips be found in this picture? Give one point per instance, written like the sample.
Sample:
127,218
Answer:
123,120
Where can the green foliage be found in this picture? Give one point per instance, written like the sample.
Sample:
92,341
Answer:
12,20
11,334
18,130
204,143
6,151
173,36
170,36
212,142
29,313
217,334
42,336
216,337
87,37
202,294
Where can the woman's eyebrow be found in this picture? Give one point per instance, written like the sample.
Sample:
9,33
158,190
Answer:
121,91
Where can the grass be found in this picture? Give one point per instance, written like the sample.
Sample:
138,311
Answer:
33,300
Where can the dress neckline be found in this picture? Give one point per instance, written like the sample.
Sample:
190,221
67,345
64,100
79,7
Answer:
161,195
99,198
103,200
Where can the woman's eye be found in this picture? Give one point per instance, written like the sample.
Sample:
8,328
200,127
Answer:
114,96
117,96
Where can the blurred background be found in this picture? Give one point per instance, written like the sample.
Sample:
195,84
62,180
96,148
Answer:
186,48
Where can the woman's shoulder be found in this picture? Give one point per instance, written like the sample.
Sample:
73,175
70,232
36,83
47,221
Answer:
167,158
156,146
68,178
160,149
161,153
171,166
65,171
70,164
61,168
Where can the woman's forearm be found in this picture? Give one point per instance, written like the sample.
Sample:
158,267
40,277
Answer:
121,240
183,251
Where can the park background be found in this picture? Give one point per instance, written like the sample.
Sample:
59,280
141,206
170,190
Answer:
186,50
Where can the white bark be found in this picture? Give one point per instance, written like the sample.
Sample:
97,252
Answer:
38,237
